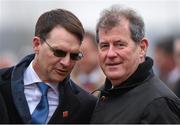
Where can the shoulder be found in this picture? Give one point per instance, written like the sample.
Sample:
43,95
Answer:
5,74
155,88
162,110
5,70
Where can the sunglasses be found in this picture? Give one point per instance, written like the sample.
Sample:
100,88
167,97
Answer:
61,53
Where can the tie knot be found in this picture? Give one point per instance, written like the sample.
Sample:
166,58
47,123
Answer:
43,88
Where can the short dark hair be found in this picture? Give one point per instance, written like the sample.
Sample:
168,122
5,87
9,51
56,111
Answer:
112,17
53,18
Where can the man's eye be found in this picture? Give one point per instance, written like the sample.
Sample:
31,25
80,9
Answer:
120,45
59,53
104,46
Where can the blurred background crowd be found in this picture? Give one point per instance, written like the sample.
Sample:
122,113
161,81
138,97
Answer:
162,21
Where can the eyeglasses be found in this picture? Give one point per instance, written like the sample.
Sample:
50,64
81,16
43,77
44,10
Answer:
61,53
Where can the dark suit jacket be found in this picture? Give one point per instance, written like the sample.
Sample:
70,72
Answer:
177,87
3,111
75,106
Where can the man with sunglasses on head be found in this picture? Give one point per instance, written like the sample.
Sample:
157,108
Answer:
38,89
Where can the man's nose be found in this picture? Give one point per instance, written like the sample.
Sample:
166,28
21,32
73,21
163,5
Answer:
66,60
111,52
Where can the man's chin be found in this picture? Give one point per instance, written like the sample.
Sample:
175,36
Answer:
58,78
113,75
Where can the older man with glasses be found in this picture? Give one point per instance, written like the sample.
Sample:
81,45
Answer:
39,90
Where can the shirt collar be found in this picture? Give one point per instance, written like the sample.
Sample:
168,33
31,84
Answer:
31,77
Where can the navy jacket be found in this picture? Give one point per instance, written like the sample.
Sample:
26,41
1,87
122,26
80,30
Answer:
78,103
3,111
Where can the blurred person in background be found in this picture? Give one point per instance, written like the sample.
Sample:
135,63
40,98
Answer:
6,60
87,72
176,72
164,59
39,90
132,93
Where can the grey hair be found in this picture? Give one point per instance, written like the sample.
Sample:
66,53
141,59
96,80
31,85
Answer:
112,17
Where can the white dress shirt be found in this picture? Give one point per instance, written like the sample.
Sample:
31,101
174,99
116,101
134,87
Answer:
33,94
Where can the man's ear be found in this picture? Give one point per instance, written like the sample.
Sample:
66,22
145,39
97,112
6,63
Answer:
36,44
143,46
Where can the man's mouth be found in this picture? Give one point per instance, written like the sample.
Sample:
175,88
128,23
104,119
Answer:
112,64
60,71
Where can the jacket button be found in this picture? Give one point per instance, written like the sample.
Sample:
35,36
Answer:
103,98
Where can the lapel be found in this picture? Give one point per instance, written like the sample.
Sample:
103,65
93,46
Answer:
17,87
68,106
